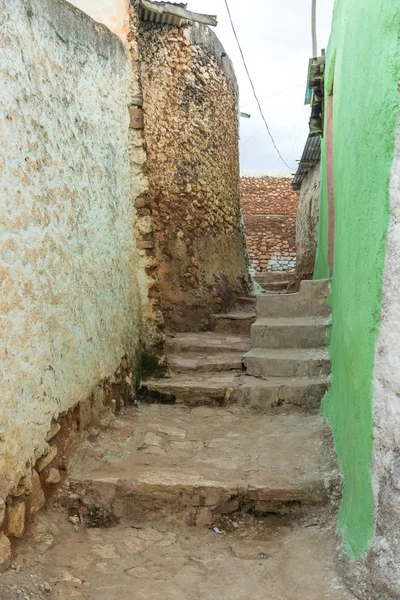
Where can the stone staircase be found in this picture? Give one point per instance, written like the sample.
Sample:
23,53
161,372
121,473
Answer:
289,355
213,445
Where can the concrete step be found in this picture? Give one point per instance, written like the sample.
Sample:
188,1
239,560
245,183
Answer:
276,286
268,395
202,363
208,342
311,300
289,362
192,389
237,323
297,332
189,466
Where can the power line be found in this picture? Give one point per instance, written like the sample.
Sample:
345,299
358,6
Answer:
273,95
252,86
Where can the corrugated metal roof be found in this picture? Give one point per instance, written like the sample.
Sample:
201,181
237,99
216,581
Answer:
310,157
162,18
172,13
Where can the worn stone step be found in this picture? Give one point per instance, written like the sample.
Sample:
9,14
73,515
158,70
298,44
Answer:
289,362
191,389
238,323
268,395
203,363
276,286
192,465
207,342
246,302
297,332
311,301
274,276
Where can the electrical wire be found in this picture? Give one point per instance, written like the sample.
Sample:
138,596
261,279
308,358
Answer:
273,95
253,88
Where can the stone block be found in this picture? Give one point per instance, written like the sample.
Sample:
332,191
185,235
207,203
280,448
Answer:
52,476
5,553
46,459
36,499
16,513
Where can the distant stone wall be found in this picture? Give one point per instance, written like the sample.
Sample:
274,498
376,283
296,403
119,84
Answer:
70,309
269,208
190,103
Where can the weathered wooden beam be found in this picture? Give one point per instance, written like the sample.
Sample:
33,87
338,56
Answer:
178,11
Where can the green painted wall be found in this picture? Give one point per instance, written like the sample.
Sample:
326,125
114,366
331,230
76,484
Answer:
363,66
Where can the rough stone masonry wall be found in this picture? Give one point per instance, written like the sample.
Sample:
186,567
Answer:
70,308
191,129
269,208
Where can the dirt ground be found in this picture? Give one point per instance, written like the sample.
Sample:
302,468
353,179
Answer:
247,557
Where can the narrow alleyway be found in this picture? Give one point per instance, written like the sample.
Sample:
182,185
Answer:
219,485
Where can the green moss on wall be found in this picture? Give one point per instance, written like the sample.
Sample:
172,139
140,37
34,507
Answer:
363,68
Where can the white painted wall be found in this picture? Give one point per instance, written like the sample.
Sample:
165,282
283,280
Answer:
112,13
385,552
68,264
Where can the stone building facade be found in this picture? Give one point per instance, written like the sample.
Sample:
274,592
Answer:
190,105
100,211
269,207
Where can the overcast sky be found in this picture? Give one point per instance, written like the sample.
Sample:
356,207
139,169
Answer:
275,36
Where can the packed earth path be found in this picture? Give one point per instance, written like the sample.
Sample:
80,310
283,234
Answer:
203,491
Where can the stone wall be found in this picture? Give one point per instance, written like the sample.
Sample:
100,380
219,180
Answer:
190,103
269,208
70,304
307,223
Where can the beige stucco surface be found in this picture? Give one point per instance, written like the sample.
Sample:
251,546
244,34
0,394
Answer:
69,299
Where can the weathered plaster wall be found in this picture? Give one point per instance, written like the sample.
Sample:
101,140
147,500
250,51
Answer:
381,569
269,208
364,40
112,13
307,223
191,130
69,311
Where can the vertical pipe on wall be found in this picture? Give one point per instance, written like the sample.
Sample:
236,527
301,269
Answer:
314,27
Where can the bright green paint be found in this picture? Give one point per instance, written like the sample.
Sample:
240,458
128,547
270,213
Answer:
363,65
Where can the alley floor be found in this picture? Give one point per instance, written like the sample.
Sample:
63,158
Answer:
135,537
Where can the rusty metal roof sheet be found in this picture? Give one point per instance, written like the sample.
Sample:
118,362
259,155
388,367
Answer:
310,157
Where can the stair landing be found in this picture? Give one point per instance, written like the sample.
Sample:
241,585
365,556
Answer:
188,466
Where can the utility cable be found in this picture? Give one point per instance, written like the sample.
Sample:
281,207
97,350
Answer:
273,95
252,86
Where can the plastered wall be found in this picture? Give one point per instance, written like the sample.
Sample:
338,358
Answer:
362,403
269,210
190,103
307,223
69,302
112,13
